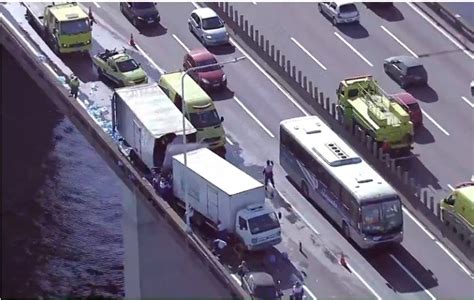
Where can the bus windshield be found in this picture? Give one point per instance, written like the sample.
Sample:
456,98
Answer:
382,217
75,27
263,223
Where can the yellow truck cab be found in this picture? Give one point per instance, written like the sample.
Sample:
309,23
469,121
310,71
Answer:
200,109
457,211
65,26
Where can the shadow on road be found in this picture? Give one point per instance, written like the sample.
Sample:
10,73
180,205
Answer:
439,53
225,94
81,66
423,93
152,31
355,31
423,136
391,14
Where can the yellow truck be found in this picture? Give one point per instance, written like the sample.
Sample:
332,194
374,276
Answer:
362,102
64,26
457,211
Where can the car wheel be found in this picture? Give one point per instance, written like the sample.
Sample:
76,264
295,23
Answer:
334,21
403,83
135,22
203,40
190,27
304,189
346,231
320,7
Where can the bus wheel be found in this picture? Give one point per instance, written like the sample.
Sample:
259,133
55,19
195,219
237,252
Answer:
304,189
346,231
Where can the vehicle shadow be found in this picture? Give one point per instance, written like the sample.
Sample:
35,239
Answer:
82,66
355,31
396,265
423,93
391,14
225,94
423,136
419,171
152,31
221,50
442,52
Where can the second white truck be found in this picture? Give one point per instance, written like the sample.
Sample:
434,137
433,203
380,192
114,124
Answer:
220,192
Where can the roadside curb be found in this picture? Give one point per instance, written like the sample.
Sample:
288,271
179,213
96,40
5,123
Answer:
454,24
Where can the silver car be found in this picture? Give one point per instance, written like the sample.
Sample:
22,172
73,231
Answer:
208,27
340,12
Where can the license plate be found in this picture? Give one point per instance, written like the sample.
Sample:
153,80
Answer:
150,21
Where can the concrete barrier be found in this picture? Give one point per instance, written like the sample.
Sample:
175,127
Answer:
108,150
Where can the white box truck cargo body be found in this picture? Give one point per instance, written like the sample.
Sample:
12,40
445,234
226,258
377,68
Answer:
219,191
147,119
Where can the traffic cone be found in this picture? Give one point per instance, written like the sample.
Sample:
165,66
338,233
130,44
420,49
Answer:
132,41
342,261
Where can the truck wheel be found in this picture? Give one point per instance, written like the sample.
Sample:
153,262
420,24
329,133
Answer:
304,189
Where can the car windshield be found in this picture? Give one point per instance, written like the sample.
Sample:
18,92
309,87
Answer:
347,8
381,217
263,223
205,119
416,71
127,65
143,5
212,23
75,27
265,292
208,62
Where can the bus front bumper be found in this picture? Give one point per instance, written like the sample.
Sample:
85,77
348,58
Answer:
371,242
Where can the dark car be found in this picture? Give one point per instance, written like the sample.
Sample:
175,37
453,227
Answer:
410,104
260,285
406,70
211,77
140,13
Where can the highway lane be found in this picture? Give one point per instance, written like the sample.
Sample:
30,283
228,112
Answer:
449,69
247,73
188,40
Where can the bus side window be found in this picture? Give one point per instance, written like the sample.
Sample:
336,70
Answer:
335,188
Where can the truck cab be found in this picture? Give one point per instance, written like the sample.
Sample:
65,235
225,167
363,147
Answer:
258,227
68,28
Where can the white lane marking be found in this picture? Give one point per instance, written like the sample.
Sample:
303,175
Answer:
96,4
229,141
253,117
434,122
399,41
455,259
309,292
287,95
353,49
162,71
364,282
407,212
181,43
442,31
299,214
36,53
412,277
308,53
236,278
450,187
468,102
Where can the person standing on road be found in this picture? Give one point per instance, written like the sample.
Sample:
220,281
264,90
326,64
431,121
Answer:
74,86
268,173
221,231
242,270
298,291
218,247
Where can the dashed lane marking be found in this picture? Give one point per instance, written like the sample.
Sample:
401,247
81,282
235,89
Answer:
353,49
399,41
181,43
434,122
467,101
308,53
253,117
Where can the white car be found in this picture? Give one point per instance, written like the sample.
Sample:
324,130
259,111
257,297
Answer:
208,27
340,12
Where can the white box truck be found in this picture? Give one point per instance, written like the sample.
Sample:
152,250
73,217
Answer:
219,191
148,122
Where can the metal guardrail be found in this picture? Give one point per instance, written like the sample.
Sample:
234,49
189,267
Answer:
455,20
108,150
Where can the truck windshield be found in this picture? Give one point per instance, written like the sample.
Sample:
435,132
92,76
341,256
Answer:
205,119
263,223
381,218
127,65
75,27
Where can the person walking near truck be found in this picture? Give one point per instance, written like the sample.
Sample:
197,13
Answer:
74,86
268,173
218,247
242,270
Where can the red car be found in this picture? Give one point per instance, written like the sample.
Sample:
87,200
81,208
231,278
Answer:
409,103
211,77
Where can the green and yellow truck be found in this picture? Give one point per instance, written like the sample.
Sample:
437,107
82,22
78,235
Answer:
64,26
362,102
457,212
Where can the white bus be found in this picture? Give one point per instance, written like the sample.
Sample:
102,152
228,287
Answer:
332,175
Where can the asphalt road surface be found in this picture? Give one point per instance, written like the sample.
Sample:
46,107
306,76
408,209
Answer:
253,106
